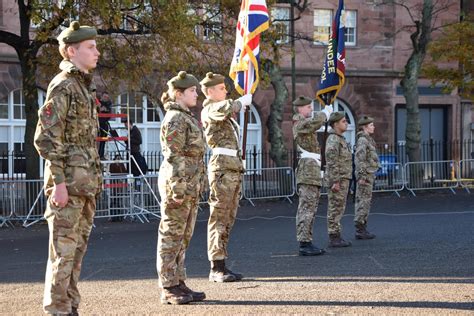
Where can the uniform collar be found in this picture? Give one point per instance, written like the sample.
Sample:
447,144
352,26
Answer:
297,117
336,134
209,101
70,68
363,134
171,105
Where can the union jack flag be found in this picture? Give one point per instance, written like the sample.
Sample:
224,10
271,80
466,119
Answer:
333,74
253,20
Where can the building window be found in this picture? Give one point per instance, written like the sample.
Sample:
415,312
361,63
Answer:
19,162
351,27
4,106
133,20
153,112
212,24
322,26
18,105
132,104
281,23
4,155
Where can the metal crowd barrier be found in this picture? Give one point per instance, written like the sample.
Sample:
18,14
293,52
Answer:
466,174
24,200
390,178
125,197
428,175
268,183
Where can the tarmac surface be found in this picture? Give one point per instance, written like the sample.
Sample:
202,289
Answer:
422,262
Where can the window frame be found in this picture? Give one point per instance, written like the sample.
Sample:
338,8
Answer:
350,43
317,42
286,37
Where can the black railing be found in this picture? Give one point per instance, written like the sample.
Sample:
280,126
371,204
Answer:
430,151
13,164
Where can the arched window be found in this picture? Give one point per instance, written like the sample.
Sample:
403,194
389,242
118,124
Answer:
339,105
12,131
254,137
146,115
132,104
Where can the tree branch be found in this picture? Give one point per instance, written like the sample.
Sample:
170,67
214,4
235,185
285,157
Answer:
110,31
11,39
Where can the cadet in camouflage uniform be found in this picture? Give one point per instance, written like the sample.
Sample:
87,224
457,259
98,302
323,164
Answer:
225,171
338,173
366,165
65,138
179,181
308,173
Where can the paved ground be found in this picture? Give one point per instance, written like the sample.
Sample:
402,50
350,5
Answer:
422,262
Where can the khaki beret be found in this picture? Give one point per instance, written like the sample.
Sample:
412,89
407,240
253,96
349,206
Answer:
336,116
183,81
212,79
302,100
364,120
76,33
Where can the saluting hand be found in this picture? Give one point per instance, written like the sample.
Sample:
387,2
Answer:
60,196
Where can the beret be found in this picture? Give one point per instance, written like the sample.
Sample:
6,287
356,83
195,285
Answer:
364,120
336,116
212,79
302,100
76,33
183,81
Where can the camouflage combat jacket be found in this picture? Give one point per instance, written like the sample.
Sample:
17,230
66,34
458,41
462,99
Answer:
222,131
338,159
366,158
66,132
183,147
305,136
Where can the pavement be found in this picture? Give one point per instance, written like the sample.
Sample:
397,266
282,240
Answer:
422,262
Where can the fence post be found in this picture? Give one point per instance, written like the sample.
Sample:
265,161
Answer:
254,180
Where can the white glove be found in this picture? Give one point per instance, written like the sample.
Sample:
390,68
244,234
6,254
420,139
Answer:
328,109
245,100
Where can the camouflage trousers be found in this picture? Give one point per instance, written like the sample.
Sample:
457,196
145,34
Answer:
174,234
337,206
223,201
307,208
69,230
363,200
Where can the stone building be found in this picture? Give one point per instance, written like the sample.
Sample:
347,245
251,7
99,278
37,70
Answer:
377,49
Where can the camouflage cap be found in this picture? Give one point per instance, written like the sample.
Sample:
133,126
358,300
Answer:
302,100
76,33
336,116
212,79
183,81
364,120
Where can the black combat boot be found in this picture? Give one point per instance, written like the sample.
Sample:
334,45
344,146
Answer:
362,232
218,272
335,241
308,249
175,296
197,296
237,276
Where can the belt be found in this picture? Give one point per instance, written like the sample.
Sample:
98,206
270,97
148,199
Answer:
307,154
224,151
